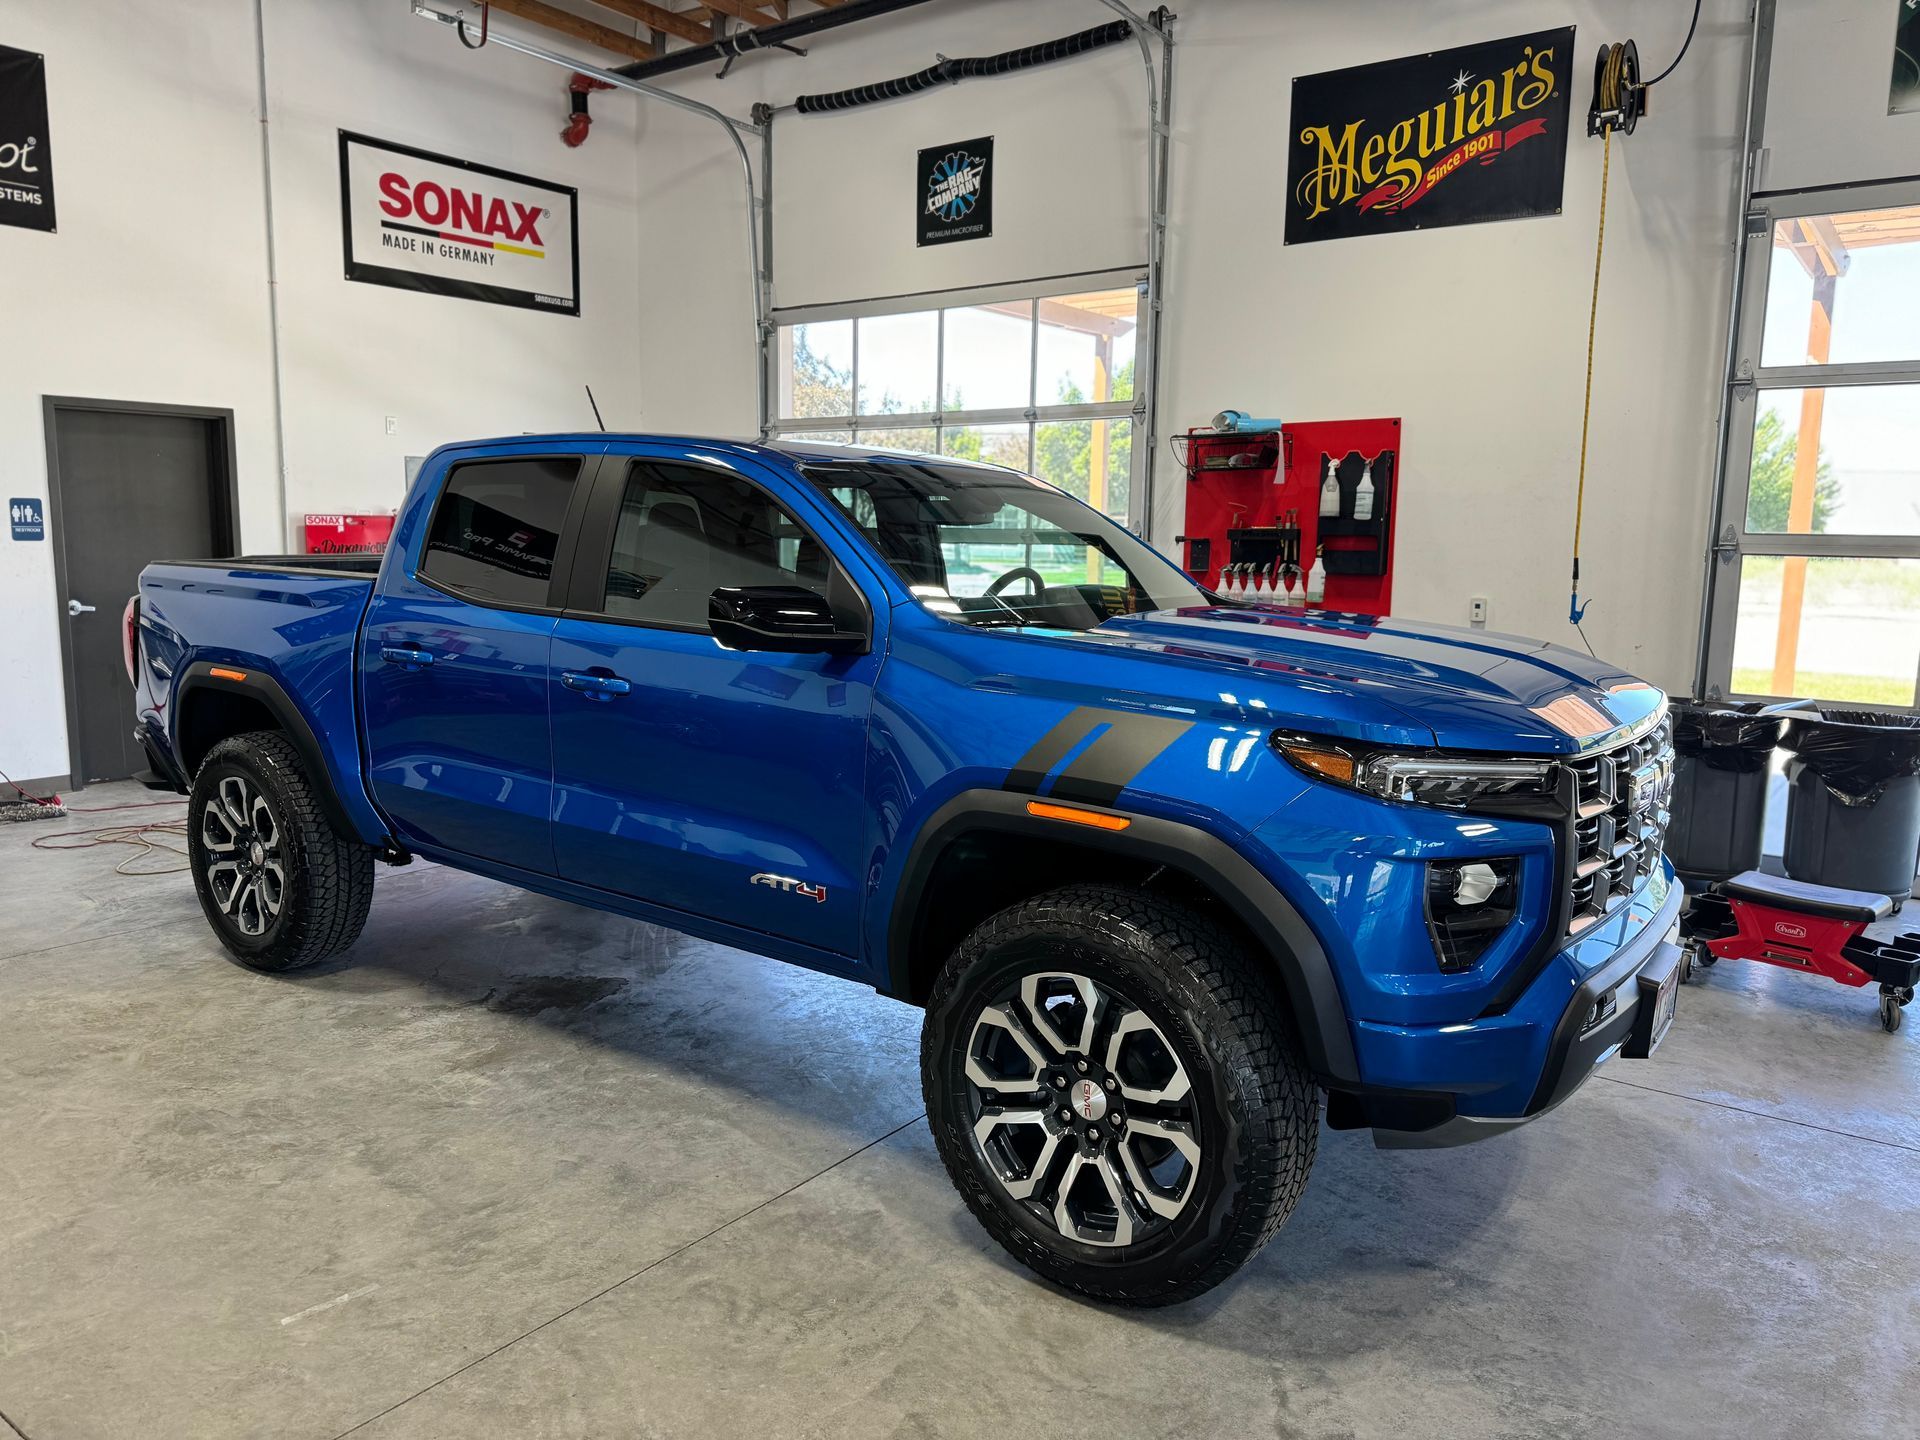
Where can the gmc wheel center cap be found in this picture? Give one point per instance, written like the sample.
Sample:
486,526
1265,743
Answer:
1089,1100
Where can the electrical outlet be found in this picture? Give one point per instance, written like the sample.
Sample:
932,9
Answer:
1477,612
393,424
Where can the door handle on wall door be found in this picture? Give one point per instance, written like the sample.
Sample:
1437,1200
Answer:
75,608
402,655
594,686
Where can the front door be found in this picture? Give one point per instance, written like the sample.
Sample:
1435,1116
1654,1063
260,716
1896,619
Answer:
453,661
130,485
717,782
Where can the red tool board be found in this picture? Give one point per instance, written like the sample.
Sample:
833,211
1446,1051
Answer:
1231,502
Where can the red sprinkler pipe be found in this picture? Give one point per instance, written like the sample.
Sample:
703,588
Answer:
580,119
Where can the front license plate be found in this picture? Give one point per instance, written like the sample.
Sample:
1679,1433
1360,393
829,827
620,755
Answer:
1659,998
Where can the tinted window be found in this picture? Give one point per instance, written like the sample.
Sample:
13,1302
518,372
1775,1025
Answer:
683,532
496,528
987,546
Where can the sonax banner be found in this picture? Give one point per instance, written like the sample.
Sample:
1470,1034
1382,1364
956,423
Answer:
420,221
1450,138
26,156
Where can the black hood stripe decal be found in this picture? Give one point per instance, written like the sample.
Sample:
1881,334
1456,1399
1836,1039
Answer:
1098,774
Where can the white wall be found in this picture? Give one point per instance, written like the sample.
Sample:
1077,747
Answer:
155,287
1475,336
1827,120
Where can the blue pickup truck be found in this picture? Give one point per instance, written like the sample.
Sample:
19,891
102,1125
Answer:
1163,869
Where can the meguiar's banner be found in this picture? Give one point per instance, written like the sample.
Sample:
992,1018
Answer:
1449,138
26,157
421,221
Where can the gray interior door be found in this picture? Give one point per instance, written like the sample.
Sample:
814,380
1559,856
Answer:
129,486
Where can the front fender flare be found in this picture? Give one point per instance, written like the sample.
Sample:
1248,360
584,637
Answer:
1298,959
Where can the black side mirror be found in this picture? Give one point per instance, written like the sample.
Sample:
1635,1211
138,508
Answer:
790,619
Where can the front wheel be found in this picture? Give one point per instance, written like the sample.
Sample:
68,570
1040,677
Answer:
281,888
1115,1093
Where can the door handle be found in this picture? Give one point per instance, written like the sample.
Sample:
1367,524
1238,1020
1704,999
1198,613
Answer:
594,686
74,607
401,655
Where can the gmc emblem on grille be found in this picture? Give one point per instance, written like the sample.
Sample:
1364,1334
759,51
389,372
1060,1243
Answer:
1649,788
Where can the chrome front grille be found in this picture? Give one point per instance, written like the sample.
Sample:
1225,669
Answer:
1620,821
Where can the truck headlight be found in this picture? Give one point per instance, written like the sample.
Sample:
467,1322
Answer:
1453,782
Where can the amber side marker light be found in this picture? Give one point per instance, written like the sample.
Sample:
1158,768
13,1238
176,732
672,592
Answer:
1074,816
224,674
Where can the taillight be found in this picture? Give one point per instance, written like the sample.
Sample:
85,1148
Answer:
130,637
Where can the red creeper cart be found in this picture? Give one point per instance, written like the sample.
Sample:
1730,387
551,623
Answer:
1815,928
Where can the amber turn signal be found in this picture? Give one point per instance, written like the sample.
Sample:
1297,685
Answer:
1333,764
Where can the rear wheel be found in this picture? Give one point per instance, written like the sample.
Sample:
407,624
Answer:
1116,1095
279,885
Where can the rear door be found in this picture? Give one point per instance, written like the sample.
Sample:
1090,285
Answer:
454,654
720,782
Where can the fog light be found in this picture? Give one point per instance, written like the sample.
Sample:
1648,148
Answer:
1468,904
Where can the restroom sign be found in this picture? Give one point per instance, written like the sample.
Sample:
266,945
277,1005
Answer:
420,221
28,519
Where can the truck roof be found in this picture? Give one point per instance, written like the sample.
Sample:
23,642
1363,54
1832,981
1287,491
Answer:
797,446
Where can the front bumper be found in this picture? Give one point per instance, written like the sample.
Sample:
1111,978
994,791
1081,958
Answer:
1608,1013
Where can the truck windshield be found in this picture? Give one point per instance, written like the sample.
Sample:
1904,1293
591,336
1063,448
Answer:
995,547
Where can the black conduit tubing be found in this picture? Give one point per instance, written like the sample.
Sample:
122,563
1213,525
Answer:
950,72
763,37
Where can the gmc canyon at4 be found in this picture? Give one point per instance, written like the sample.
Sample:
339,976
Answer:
1163,869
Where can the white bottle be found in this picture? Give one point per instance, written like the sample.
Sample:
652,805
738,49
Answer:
1330,494
1259,595
1363,497
1316,582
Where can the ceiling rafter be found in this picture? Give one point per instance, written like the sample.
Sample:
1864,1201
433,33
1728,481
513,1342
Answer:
578,27
696,24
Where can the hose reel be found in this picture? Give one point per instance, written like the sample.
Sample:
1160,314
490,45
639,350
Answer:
1619,97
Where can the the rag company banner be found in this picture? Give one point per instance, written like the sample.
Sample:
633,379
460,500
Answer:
955,192
1905,94
26,157
1452,138
422,221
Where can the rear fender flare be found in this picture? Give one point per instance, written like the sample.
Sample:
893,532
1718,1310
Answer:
1295,953
204,676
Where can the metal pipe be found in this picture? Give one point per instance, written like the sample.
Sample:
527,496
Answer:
1762,22
1159,133
745,39
765,318
733,128
273,288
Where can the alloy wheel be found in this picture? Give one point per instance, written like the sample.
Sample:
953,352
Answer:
244,866
1082,1109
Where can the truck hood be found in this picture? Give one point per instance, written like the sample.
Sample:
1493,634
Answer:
1472,689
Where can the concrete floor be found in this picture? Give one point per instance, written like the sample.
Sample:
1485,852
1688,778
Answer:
517,1168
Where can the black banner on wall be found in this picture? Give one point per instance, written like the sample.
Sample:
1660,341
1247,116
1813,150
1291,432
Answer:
1451,138
26,155
1905,92
955,192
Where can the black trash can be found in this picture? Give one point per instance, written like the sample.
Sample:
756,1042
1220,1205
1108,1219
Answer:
1853,800
1722,755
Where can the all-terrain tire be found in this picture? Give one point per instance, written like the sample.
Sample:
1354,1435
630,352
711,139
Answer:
327,885
1256,1112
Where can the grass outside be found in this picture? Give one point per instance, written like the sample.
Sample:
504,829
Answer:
1821,685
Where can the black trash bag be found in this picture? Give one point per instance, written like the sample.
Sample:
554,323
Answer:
1730,736
1856,753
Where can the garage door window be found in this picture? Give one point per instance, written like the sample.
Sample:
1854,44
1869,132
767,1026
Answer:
1817,588
1041,382
496,528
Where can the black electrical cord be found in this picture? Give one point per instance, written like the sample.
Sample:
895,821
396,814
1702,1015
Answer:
1683,48
952,70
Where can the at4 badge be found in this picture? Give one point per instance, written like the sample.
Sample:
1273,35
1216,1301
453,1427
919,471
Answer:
788,885
956,192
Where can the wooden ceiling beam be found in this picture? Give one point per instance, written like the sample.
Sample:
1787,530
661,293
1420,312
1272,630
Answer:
745,10
671,22
565,22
